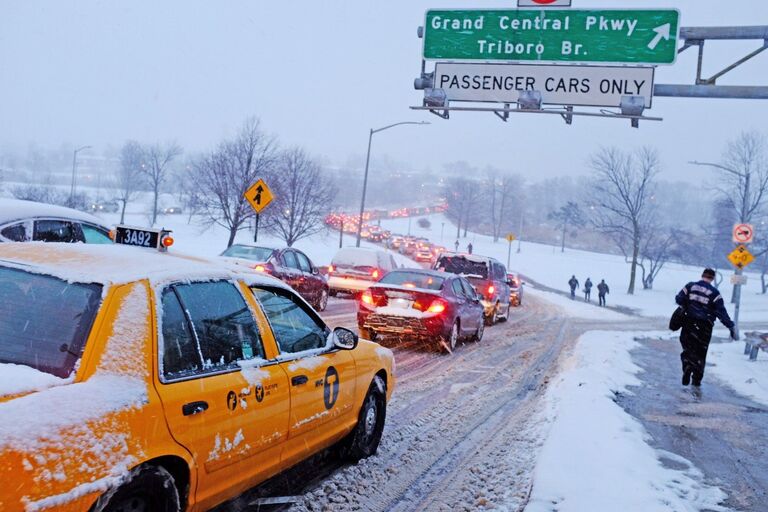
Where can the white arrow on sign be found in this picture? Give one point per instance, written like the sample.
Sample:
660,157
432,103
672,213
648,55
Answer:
662,32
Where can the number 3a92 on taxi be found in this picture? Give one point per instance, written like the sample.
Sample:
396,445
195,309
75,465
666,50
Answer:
135,378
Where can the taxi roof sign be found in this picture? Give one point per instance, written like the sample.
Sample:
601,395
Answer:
259,195
158,239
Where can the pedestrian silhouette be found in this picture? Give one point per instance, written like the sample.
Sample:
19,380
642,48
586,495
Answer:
602,291
456,246
469,247
573,283
587,289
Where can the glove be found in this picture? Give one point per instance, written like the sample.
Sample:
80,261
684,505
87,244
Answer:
734,336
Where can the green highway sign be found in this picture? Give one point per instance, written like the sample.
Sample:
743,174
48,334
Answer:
627,36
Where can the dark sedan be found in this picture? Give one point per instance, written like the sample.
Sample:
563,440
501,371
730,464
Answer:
429,306
291,266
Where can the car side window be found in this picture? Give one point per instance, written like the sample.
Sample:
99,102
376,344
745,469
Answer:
304,263
469,290
222,328
457,288
295,329
15,233
57,231
289,260
94,235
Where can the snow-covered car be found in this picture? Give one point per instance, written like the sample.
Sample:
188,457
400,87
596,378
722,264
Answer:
515,288
354,269
105,206
487,275
139,380
172,210
28,221
423,254
433,307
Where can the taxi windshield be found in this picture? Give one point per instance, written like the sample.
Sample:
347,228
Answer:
249,253
44,321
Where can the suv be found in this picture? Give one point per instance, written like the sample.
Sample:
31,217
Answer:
354,269
291,266
28,221
487,275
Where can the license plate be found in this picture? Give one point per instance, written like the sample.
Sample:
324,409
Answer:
400,303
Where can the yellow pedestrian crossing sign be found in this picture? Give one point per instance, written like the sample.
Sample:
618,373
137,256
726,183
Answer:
740,257
259,195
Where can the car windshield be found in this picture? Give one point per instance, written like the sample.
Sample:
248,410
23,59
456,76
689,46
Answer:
413,280
249,253
44,321
463,265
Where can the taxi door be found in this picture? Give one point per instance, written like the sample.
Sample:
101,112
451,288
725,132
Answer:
230,412
321,380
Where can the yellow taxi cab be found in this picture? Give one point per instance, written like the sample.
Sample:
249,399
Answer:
136,380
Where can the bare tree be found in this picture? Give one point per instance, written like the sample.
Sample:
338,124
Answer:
302,197
155,167
499,192
657,249
129,177
623,186
569,214
223,176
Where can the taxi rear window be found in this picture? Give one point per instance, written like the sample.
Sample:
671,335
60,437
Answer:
44,321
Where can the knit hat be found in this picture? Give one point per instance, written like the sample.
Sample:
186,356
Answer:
708,273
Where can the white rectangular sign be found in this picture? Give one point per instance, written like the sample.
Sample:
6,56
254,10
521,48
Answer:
741,280
543,3
592,86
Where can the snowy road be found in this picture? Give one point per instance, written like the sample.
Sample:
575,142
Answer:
461,430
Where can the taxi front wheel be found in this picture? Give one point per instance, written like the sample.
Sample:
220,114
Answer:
364,440
148,489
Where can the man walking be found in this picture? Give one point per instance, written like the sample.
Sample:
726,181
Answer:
587,289
702,303
469,247
573,283
456,245
602,290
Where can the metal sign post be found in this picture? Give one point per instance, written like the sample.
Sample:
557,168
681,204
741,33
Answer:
510,238
740,257
259,196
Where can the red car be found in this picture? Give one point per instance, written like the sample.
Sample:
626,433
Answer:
291,266
435,307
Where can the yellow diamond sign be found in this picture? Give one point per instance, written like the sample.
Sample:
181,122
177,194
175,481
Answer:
740,257
259,195
510,237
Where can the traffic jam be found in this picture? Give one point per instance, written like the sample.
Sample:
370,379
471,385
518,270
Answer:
196,379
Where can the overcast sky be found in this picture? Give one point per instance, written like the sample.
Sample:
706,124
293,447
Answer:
320,74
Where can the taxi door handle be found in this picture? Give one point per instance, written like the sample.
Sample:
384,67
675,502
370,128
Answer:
194,408
298,380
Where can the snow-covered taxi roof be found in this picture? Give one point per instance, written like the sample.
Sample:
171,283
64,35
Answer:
115,264
17,209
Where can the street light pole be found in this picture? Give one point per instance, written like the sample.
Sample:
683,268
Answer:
746,176
365,176
74,170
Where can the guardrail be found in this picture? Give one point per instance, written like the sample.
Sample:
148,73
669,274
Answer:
754,342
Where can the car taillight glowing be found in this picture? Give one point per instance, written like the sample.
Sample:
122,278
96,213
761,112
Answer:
437,306
330,268
366,297
491,289
259,268
375,274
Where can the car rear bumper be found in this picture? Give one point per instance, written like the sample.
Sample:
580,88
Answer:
348,284
425,327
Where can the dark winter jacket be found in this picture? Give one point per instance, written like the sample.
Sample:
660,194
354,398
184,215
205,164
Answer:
602,288
587,285
702,301
573,283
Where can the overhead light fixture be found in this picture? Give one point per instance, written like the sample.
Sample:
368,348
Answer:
435,98
632,106
426,81
529,100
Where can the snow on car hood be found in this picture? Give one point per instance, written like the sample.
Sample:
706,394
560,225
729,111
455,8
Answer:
18,379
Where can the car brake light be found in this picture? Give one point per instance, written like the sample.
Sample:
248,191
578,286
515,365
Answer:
366,297
259,268
491,289
330,268
437,306
375,274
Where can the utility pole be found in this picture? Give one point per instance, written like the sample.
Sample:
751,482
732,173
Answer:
74,171
520,231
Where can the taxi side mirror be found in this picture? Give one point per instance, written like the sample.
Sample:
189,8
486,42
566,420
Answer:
344,339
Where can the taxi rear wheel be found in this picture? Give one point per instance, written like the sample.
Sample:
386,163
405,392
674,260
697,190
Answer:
364,440
148,489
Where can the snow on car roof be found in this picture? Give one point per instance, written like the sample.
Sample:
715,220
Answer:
469,257
17,209
115,264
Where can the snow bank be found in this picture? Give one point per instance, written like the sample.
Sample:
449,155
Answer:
727,362
577,308
16,379
596,456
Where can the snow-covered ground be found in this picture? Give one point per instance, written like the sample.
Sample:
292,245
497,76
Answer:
596,456
552,268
